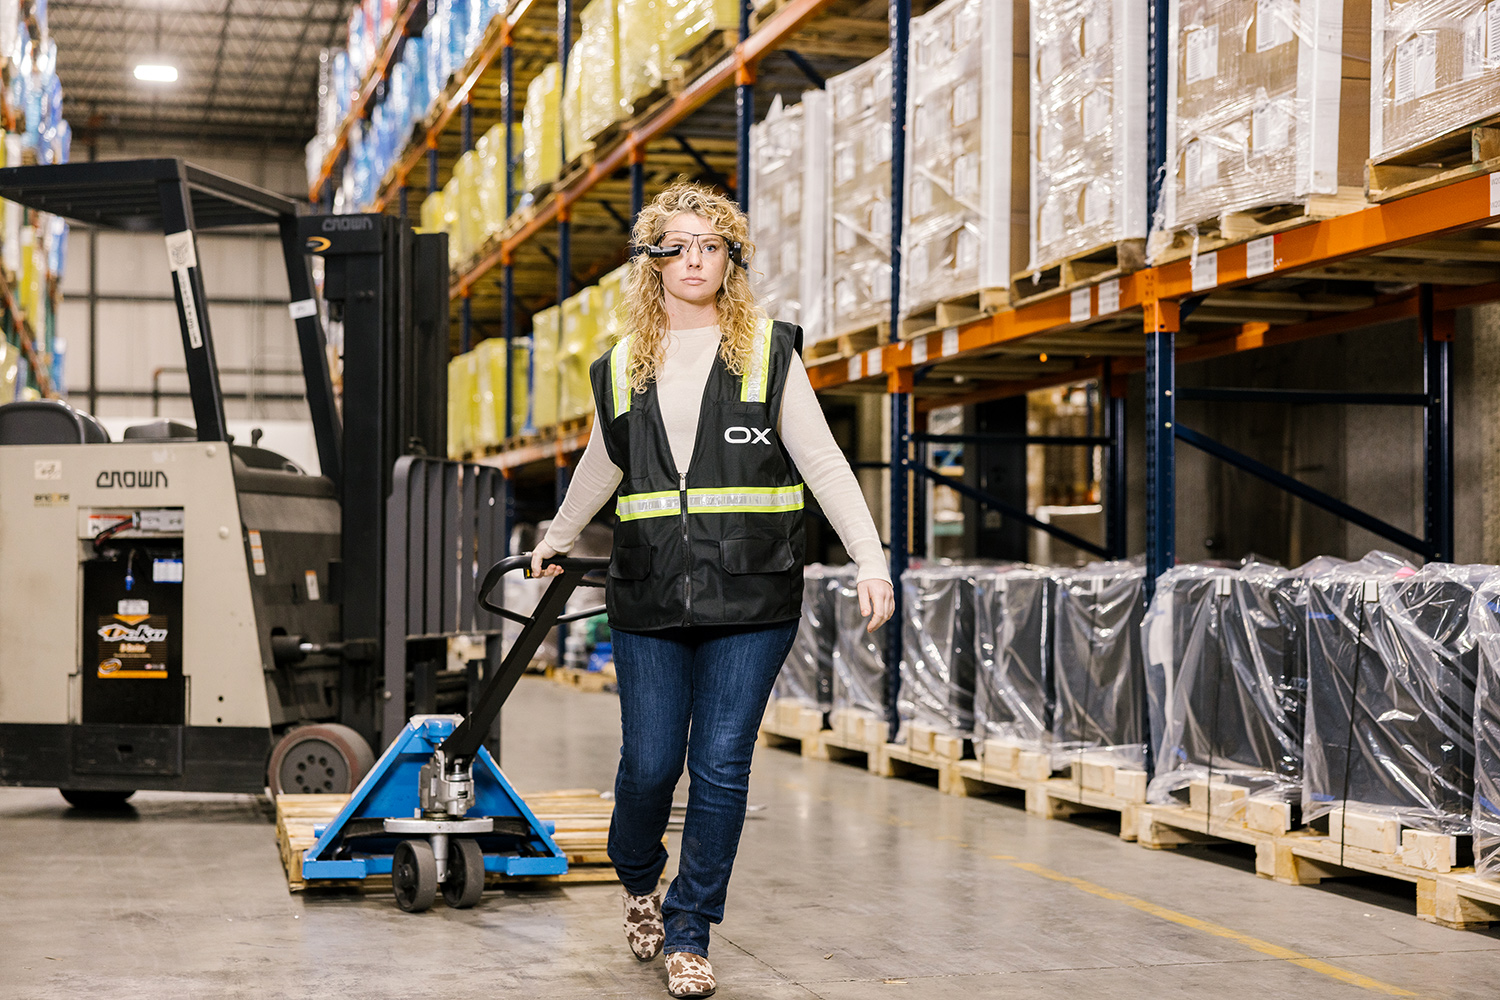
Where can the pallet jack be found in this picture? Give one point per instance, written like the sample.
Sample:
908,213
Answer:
435,810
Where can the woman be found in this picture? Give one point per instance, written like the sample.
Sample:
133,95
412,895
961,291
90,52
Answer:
706,427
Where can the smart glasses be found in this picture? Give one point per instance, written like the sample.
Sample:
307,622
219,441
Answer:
674,243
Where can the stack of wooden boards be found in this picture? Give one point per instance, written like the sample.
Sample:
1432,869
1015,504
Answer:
580,816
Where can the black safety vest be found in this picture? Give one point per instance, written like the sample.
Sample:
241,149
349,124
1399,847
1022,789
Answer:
721,544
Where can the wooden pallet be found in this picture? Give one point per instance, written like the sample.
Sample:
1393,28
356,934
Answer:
692,64
1239,227
788,722
1461,154
588,681
954,311
1077,270
856,737
846,345
580,816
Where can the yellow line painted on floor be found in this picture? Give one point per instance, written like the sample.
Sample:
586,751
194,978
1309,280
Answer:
1208,927
1266,948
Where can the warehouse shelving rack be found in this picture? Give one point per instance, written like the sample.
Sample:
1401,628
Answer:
1419,257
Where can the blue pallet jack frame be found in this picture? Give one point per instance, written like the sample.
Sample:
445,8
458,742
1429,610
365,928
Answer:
435,812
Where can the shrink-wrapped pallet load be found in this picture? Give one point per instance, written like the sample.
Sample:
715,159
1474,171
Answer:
959,229
807,674
642,62
571,106
546,330
1013,699
860,231
463,404
937,649
1100,674
491,373
542,149
580,328
1391,676
600,104
611,309
490,151
434,213
1226,670
1088,130
686,24
1484,627
468,175
858,659
452,211
1436,71
1268,110
788,212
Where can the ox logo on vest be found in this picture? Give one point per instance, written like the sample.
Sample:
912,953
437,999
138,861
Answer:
129,479
747,435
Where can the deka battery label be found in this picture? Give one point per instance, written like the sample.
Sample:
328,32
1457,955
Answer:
133,646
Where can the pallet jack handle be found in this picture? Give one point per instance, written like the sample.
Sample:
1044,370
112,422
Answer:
468,736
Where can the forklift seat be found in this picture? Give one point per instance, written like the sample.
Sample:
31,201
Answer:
48,421
160,430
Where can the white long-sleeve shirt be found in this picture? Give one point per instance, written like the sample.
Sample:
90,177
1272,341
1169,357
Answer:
801,425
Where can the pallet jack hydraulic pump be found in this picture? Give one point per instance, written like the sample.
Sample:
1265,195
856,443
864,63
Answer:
435,811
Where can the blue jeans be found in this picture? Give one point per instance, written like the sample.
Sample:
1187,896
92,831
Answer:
696,694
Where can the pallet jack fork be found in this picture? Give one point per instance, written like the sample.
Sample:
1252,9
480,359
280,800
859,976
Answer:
435,810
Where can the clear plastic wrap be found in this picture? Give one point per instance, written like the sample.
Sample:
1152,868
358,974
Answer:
462,389
468,174
788,212
611,309
1484,627
1256,91
937,649
580,322
1226,672
1013,700
642,62
1088,126
858,657
1099,670
686,24
957,235
574,143
546,331
541,143
807,675
1391,675
599,105
490,150
492,371
860,241
1438,65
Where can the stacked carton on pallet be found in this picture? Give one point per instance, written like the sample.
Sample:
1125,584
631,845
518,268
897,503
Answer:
859,697
960,231
807,675
1088,145
1013,700
1267,122
1484,623
860,231
937,655
789,213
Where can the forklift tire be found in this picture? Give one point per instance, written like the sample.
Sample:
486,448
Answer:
414,875
94,800
325,757
465,882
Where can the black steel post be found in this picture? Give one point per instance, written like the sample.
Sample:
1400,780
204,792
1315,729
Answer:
1115,525
1437,420
1161,476
900,28
432,168
637,187
564,43
1156,102
192,308
466,120
744,108
465,325
508,116
919,491
402,207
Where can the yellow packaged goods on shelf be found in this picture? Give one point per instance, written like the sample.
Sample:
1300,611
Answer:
688,23
611,309
540,139
471,230
642,64
456,254
491,371
520,396
574,143
600,98
490,149
545,331
432,213
10,368
460,393
580,326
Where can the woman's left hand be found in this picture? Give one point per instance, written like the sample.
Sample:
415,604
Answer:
877,602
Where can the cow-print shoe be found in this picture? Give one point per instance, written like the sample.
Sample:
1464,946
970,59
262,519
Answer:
643,926
689,975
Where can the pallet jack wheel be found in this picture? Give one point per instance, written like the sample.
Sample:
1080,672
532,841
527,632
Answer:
326,757
95,800
465,882
414,875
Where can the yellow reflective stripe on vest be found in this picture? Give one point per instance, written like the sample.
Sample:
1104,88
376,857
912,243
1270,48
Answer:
745,499
717,500
619,375
634,506
753,382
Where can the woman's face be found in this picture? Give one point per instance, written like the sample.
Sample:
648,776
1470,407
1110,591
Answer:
697,273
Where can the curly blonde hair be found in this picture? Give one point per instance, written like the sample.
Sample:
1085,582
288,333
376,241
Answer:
645,295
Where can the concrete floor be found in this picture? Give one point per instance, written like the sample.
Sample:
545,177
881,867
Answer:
847,887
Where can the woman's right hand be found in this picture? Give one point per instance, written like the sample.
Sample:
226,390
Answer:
540,555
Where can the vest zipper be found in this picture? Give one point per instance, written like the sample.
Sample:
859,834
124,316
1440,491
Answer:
687,552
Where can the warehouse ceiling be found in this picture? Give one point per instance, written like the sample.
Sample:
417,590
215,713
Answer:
247,69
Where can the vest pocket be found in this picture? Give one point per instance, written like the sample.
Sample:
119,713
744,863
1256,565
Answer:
631,562
741,556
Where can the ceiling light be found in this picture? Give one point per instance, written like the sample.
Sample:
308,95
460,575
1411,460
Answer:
156,73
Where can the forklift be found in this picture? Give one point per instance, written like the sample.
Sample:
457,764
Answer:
180,611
